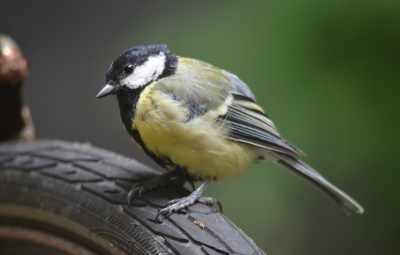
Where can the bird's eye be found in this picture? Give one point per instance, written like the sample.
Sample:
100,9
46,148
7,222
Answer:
128,69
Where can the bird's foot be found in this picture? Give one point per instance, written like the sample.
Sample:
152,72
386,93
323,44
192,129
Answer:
176,205
182,203
161,180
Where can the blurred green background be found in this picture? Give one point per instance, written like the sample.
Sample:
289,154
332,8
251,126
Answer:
326,72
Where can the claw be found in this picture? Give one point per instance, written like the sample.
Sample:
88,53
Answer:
210,201
174,201
220,206
129,197
137,187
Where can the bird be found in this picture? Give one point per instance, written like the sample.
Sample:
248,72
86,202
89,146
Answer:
200,123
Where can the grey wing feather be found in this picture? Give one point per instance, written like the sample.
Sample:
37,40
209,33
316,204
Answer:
311,176
256,129
240,86
255,119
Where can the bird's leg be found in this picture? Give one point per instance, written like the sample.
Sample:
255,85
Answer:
146,185
182,203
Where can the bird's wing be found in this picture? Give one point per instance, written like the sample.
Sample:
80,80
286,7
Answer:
249,124
205,89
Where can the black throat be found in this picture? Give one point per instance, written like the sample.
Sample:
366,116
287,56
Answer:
127,100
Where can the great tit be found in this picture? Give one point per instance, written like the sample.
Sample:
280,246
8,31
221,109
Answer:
198,122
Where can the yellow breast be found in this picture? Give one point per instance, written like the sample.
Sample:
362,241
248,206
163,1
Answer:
199,144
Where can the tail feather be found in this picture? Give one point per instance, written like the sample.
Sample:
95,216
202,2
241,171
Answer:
310,175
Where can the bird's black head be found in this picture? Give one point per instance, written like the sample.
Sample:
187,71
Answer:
137,67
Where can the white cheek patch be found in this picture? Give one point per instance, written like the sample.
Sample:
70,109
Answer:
146,72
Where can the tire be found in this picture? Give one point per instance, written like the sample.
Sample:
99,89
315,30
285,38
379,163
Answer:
60,197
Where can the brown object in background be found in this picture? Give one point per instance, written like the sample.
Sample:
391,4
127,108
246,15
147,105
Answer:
15,117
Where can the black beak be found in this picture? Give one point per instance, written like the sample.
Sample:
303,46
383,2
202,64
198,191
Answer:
108,90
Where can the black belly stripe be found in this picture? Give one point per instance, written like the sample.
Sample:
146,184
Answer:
134,134
164,162
127,121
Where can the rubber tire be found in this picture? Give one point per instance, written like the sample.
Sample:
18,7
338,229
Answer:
78,192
